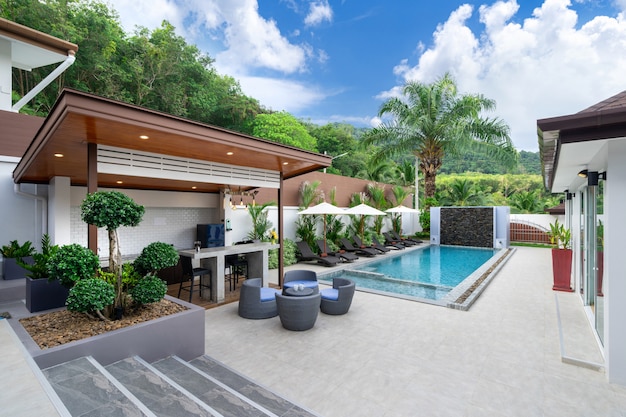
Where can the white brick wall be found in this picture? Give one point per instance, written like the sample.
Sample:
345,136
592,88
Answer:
170,225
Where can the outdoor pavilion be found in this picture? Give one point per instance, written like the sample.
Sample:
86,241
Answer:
96,142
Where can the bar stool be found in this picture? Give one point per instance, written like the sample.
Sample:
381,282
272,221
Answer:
189,274
238,265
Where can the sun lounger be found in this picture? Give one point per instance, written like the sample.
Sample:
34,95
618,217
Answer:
343,255
391,240
306,254
379,246
410,239
359,243
347,245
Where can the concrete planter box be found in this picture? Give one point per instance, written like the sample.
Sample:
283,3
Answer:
180,334
11,269
42,294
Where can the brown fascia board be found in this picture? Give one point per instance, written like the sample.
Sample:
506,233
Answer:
34,37
89,104
583,120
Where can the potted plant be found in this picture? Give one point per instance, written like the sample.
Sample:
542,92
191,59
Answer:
11,254
560,238
43,292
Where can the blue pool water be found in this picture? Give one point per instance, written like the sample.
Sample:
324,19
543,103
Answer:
430,272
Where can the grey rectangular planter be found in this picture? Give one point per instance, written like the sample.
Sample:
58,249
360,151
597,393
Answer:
180,334
11,269
42,294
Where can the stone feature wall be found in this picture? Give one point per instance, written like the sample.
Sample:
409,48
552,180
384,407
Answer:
467,226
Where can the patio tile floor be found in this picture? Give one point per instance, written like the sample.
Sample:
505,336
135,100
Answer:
392,357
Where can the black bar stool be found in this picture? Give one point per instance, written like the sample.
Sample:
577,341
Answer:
189,274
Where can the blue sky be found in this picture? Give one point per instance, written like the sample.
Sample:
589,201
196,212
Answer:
337,61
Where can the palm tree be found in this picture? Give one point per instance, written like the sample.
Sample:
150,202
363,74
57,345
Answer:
463,193
431,120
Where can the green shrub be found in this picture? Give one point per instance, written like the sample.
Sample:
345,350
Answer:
39,268
130,277
15,250
72,263
90,295
156,256
149,289
289,254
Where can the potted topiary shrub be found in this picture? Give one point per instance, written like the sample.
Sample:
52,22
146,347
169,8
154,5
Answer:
560,238
72,263
112,209
43,292
12,253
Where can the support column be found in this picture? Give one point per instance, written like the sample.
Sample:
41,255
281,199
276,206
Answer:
59,211
615,263
92,187
281,230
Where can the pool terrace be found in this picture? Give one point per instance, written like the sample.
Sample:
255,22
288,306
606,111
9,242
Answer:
395,357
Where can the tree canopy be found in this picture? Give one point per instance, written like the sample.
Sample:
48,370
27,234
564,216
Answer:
432,120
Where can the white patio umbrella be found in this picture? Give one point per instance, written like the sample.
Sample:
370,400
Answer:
363,210
401,209
323,209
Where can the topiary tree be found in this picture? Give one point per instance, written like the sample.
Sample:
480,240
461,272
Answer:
71,264
91,296
112,209
156,256
149,289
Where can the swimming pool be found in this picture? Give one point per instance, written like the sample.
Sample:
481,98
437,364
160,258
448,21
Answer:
434,273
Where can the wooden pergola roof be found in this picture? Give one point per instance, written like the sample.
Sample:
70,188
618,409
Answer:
79,122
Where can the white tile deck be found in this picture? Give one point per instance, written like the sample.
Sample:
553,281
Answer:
391,357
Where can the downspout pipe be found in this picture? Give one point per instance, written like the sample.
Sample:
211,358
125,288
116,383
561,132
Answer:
44,205
45,82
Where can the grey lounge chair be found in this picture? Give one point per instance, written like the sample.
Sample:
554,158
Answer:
387,245
298,313
347,245
390,240
395,234
344,256
337,300
306,254
257,302
301,277
379,248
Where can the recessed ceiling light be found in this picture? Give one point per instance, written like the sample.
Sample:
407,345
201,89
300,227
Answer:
120,182
59,155
194,187
229,153
285,163
144,137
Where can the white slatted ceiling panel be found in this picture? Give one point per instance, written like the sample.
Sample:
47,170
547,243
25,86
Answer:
118,161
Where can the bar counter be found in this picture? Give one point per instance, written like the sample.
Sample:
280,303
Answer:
257,255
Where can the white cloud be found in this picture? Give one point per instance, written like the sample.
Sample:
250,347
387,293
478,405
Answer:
280,94
546,66
319,11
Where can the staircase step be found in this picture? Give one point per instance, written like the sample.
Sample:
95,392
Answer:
156,391
222,398
86,391
265,398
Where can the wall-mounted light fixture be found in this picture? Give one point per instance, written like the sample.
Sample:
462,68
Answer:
592,178
583,173
568,195
602,175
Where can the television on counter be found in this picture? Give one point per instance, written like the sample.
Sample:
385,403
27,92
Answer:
210,235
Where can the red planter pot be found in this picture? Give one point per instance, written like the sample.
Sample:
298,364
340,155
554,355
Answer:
562,269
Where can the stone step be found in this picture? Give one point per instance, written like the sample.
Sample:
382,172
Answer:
168,387
86,389
227,391
159,393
